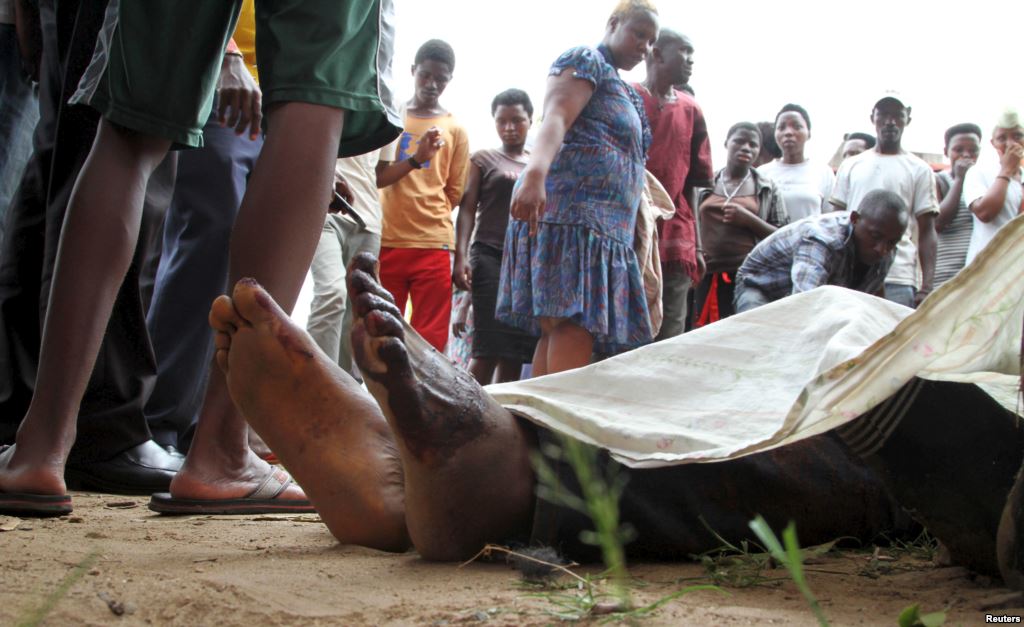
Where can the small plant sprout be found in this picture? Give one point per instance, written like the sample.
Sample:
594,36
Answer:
789,555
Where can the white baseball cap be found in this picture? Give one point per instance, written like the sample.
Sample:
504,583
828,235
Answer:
892,94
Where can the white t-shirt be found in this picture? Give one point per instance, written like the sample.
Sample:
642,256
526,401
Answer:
976,183
805,186
906,175
361,173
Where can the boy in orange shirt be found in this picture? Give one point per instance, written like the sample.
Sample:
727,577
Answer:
422,175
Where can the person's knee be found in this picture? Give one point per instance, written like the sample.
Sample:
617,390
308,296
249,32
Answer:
747,298
133,150
566,330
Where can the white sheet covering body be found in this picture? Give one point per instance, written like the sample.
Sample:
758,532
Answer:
789,370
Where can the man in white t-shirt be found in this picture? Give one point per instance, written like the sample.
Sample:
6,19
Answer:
888,166
993,190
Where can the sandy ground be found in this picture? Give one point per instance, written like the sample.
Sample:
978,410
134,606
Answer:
114,562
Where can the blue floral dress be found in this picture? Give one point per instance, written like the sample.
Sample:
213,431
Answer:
580,265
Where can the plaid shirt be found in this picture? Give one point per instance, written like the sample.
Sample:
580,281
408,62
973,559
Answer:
819,250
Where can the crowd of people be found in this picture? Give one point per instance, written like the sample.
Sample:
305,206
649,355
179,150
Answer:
294,158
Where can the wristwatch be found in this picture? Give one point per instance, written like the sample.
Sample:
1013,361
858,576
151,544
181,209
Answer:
416,165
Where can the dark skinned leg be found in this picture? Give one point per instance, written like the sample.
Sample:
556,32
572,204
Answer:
273,241
569,345
508,370
96,246
482,369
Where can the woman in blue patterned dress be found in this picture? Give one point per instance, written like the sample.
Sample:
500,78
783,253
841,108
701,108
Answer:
569,273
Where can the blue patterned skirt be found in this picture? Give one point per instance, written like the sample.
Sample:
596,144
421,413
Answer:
574,272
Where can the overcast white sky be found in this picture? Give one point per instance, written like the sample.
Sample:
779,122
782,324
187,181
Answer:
833,58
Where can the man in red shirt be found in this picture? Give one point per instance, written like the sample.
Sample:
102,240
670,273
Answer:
680,158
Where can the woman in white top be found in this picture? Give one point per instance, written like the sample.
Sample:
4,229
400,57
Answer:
993,190
805,184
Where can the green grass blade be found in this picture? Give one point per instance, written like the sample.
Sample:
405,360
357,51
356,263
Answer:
35,616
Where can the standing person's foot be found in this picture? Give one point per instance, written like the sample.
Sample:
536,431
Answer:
457,444
233,489
29,486
323,425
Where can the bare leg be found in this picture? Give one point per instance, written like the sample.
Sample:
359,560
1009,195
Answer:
540,357
568,345
468,478
482,369
487,370
273,241
508,370
95,250
318,420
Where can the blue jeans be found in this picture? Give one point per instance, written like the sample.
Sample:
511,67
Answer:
747,298
902,294
20,106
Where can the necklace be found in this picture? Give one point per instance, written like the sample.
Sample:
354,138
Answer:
730,195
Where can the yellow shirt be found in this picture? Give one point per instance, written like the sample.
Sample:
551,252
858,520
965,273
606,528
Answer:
417,210
245,36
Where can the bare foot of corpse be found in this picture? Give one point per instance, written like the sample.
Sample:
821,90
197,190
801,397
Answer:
467,473
322,425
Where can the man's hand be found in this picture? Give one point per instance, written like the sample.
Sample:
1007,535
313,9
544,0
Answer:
702,267
462,274
1011,159
344,190
428,145
961,167
920,295
239,94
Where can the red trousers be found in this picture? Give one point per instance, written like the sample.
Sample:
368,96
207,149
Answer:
425,275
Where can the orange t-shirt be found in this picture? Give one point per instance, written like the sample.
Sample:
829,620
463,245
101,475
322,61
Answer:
417,210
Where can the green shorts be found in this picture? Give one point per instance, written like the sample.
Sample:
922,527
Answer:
157,62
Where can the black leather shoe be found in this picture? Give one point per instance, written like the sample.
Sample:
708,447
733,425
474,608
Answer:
144,469
174,452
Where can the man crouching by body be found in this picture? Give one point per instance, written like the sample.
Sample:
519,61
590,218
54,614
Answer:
853,250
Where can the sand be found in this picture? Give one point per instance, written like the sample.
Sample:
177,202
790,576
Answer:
123,565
